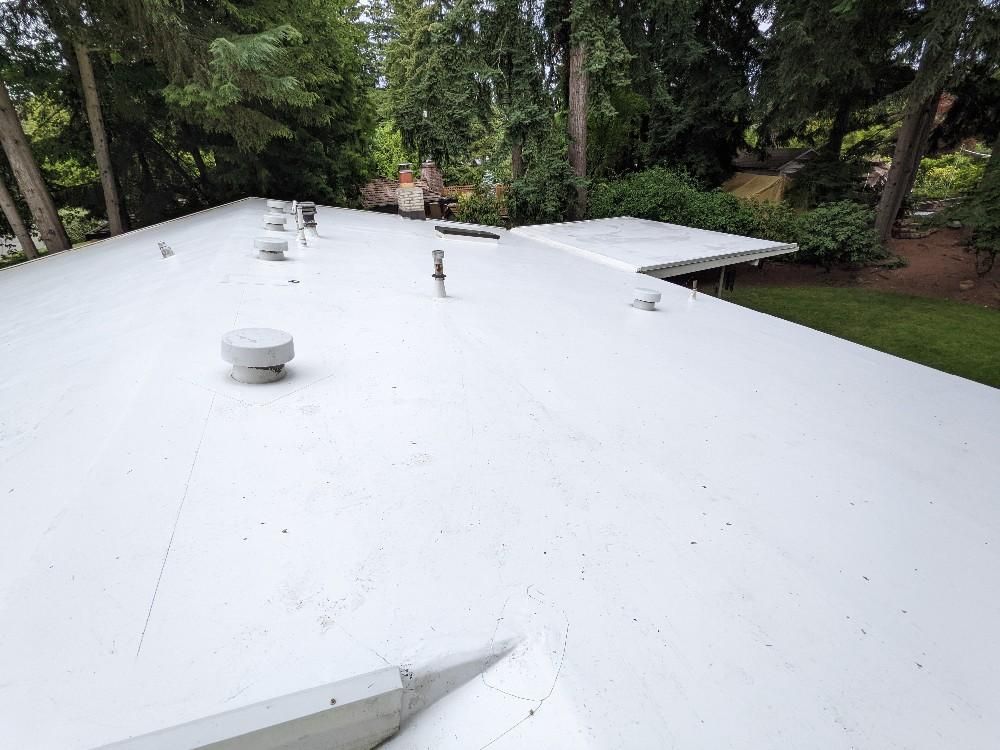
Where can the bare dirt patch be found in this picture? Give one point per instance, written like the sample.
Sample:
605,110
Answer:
939,266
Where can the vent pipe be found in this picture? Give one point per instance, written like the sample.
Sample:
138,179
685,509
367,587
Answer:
438,274
645,299
165,250
258,355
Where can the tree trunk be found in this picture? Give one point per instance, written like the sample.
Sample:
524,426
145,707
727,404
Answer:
839,129
29,177
517,160
578,122
9,209
911,143
99,135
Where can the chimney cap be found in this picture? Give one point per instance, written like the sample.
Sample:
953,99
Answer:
405,166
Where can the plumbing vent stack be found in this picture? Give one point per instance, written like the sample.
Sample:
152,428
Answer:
165,250
694,288
645,299
269,248
308,210
258,355
438,274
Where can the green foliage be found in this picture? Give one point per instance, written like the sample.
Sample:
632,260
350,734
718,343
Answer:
827,179
547,191
480,207
948,176
983,213
78,223
437,82
388,151
664,195
837,233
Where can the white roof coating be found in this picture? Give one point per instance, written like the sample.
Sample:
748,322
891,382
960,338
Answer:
653,247
696,527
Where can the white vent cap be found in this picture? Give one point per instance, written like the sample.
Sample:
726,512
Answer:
277,205
270,248
274,221
258,355
645,299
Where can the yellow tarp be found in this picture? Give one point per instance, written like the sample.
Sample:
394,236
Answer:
761,187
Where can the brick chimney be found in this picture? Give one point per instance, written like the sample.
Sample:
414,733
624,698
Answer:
409,197
431,173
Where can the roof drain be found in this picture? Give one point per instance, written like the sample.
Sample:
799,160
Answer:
645,299
270,248
258,355
438,274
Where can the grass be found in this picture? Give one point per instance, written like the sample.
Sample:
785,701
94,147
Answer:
951,336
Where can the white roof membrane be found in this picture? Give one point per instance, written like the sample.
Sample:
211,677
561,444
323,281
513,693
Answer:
653,247
695,527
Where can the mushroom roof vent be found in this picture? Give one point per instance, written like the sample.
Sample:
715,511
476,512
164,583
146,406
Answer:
258,355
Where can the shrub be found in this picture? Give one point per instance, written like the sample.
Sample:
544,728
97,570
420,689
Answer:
838,232
547,191
664,195
480,207
947,176
78,223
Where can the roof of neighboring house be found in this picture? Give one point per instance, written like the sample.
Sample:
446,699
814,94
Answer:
774,160
573,523
381,191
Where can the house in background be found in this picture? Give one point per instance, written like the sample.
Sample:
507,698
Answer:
766,177
414,197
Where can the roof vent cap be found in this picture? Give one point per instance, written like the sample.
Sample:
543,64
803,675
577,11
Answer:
280,206
270,248
274,222
645,299
258,355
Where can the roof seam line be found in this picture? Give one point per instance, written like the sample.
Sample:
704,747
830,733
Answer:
177,518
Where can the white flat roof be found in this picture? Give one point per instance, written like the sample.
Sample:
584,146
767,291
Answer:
653,247
702,527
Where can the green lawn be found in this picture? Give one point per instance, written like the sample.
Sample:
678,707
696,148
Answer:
952,336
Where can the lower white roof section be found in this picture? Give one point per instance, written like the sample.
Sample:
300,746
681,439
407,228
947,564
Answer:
653,247
696,527
358,713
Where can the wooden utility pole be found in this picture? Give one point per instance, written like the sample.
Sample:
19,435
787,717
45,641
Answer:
99,135
28,176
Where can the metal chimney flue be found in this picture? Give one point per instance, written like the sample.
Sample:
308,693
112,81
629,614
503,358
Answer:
438,274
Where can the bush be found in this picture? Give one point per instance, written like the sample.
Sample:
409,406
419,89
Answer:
947,176
547,191
78,223
663,195
838,232
480,207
